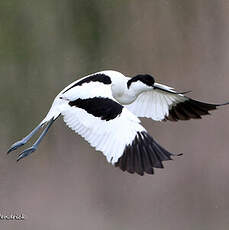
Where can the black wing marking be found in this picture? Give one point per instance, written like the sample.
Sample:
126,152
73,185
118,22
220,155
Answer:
190,109
105,108
99,77
143,155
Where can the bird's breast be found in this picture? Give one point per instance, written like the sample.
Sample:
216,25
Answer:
122,95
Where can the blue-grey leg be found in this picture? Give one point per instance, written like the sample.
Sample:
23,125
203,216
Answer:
35,145
24,140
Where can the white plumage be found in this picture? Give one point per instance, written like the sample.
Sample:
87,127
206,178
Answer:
103,109
109,137
154,104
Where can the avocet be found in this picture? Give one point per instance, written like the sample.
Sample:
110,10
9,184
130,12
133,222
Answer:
104,108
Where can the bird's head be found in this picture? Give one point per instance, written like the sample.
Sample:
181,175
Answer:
141,81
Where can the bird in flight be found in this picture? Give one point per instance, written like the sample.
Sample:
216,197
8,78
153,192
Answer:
104,108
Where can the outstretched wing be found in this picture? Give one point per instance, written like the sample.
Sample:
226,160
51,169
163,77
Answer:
112,129
163,103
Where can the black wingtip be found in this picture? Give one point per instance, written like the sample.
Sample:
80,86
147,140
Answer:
143,155
191,109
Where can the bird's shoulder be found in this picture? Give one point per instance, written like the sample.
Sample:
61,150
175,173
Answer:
106,77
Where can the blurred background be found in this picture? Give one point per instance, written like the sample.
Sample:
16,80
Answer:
45,45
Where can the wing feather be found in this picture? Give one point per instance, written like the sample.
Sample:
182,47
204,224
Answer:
104,135
113,129
122,140
163,103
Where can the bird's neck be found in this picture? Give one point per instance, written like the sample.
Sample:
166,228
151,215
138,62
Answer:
125,95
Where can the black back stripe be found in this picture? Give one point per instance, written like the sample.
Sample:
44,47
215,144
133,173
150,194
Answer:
143,155
104,108
99,77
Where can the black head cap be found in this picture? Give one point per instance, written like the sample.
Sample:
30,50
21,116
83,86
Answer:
144,78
